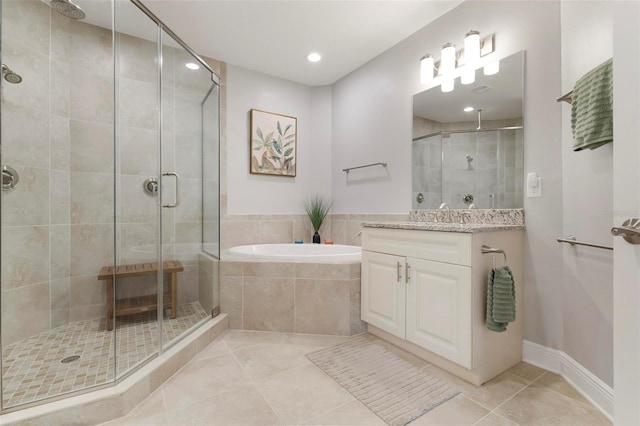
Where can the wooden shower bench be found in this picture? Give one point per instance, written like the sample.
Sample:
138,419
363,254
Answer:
135,305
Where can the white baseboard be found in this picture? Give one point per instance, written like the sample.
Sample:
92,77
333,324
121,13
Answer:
585,382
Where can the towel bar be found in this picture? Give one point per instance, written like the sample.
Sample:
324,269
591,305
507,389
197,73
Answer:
567,97
571,239
366,165
486,249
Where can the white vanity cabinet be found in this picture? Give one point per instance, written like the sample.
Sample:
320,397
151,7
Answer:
426,292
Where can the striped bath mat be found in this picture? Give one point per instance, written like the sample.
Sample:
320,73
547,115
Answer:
396,390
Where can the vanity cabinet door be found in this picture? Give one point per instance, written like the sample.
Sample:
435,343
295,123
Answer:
383,292
439,309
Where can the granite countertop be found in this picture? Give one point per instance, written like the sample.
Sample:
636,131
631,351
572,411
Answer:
443,227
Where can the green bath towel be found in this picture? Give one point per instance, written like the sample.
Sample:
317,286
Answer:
592,108
501,299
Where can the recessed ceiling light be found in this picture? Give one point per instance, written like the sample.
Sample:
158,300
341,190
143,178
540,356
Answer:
192,66
314,57
468,109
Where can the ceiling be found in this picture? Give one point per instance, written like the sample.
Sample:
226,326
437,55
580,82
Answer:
274,37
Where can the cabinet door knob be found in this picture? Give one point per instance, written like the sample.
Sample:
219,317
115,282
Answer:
399,271
407,276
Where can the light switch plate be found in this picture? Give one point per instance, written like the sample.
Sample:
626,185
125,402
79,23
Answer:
534,191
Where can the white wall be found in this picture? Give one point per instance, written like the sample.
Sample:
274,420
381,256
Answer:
626,201
262,194
372,112
587,176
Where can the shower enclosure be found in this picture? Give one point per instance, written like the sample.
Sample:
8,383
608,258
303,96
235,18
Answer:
110,187
464,167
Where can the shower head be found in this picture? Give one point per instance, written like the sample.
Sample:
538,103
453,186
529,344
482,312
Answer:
10,76
67,8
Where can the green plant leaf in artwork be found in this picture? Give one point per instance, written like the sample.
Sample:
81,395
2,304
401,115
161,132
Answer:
317,209
279,128
277,147
269,137
259,132
288,152
286,129
289,137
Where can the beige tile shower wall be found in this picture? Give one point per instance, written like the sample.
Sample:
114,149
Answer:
292,297
240,230
57,132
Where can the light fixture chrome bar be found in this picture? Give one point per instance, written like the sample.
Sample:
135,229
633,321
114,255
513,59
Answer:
366,165
571,239
487,46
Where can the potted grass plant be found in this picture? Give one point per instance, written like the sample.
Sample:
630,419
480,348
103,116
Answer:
317,208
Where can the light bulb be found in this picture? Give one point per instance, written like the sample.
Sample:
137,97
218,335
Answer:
472,48
448,60
492,68
426,69
447,85
313,57
468,76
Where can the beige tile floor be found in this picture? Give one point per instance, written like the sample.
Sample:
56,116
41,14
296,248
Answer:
260,378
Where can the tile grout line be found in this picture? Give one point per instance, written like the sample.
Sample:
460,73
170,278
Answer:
588,405
306,421
253,383
493,411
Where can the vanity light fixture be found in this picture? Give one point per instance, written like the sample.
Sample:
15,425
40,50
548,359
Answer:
447,66
447,85
426,69
314,57
471,56
463,62
192,66
492,67
468,109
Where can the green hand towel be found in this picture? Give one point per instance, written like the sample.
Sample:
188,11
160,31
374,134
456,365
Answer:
592,108
501,299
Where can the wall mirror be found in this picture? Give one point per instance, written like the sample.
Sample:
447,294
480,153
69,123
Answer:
467,147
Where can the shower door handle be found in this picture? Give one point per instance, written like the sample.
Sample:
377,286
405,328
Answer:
177,199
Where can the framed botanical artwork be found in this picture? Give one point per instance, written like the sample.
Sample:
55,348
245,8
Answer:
273,144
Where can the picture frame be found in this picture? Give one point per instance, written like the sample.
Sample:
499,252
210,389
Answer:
273,144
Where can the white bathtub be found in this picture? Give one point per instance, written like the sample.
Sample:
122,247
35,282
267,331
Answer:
308,252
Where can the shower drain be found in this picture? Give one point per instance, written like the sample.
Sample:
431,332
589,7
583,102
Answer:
70,359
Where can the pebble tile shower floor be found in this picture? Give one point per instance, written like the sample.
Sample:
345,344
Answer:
32,368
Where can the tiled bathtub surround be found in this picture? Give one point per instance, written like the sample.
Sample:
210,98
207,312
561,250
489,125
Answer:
240,230
477,216
312,298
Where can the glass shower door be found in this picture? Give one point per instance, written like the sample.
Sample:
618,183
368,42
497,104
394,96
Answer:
138,136
186,84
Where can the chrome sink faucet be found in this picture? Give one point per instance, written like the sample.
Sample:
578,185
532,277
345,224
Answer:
448,216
